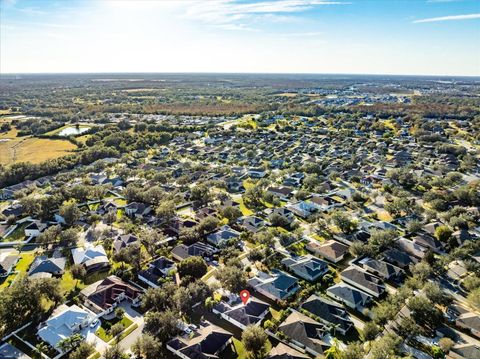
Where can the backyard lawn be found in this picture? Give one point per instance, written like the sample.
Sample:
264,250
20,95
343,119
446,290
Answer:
4,283
68,283
26,258
245,211
120,202
18,234
237,350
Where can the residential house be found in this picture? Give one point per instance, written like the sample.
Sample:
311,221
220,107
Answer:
303,209
276,285
364,281
429,242
8,260
256,172
464,351
399,258
199,249
284,193
106,206
15,210
294,180
177,225
329,313
325,203
124,241
283,212
431,227
9,192
251,223
282,351
350,296
35,228
137,210
382,269
234,184
207,342
411,248
241,315
103,296
469,321
307,267
44,267
305,332
93,258
156,270
330,250
205,212
222,236
63,323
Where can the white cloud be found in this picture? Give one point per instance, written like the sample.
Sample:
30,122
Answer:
304,34
448,18
230,11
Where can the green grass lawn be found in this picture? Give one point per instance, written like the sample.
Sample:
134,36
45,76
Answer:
4,283
245,211
95,277
23,264
18,234
237,350
68,283
120,214
26,258
93,206
275,313
317,237
104,333
120,202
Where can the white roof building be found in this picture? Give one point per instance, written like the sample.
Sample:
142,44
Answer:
83,255
64,322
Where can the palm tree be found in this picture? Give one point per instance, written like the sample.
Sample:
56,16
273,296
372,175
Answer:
334,327
40,348
69,343
334,351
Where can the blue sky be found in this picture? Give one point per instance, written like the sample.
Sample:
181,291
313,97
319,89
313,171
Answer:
430,37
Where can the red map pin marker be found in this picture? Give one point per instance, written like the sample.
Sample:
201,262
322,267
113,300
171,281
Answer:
244,296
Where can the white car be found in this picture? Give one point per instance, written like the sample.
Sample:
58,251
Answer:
94,323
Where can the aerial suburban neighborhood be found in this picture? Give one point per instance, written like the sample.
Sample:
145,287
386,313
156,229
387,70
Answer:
354,230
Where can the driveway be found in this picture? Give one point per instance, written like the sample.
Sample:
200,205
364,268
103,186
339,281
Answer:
90,337
137,318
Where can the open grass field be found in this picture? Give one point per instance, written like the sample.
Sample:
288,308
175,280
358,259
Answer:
30,149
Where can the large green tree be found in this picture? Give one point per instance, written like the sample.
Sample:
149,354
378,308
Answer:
254,340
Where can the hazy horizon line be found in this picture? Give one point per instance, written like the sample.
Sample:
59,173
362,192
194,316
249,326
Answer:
232,73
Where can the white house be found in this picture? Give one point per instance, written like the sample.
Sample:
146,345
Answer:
92,257
63,323
34,229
